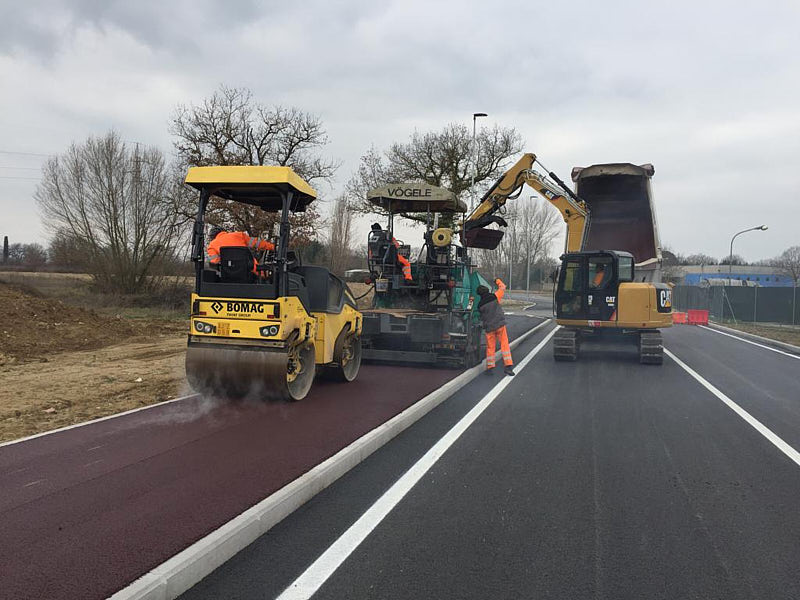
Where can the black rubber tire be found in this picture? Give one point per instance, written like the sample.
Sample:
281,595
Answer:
298,389
349,371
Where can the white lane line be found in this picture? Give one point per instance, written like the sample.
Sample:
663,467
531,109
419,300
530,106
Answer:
741,339
330,560
114,416
33,483
750,419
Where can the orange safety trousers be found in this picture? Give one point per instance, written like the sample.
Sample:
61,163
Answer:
505,349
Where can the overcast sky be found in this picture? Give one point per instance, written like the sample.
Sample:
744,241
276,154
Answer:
706,91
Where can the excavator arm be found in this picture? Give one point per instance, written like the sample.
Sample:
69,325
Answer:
509,186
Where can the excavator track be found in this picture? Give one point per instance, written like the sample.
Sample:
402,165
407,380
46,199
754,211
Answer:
651,347
244,373
566,344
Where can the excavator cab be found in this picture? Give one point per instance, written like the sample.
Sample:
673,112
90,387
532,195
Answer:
265,325
588,284
596,293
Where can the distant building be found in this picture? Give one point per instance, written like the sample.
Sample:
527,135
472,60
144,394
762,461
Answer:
748,275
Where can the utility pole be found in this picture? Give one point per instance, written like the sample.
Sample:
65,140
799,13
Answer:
5,249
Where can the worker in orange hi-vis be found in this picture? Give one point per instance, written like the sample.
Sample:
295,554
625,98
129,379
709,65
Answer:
223,239
494,323
599,275
404,264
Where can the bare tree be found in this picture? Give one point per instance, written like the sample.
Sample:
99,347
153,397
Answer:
788,263
539,225
441,158
734,260
113,202
31,256
340,234
533,225
231,128
699,259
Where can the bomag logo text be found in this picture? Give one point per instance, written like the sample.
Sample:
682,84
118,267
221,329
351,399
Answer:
245,307
409,193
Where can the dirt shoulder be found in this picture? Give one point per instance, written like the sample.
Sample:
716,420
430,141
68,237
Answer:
72,387
61,364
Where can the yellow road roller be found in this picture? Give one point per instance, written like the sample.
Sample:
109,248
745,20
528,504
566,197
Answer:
262,323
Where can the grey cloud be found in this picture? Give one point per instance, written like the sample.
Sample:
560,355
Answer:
682,84
40,28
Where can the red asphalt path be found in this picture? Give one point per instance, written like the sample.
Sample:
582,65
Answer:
86,511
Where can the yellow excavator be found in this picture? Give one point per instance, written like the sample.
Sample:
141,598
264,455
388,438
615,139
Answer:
263,326
609,280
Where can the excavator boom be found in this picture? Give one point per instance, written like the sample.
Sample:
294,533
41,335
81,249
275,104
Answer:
572,209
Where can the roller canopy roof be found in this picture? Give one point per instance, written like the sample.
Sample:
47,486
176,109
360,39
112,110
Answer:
415,197
257,185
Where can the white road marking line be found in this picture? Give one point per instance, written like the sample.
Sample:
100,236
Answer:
94,462
33,483
94,447
321,569
741,339
750,419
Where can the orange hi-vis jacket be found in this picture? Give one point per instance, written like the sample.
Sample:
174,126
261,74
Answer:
404,264
498,335
237,239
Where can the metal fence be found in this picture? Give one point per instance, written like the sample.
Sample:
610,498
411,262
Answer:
749,304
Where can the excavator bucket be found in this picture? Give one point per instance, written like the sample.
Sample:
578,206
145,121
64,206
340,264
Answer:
486,239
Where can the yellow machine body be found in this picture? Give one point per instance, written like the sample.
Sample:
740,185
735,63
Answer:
638,309
265,330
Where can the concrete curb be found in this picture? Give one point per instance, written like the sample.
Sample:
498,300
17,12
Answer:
753,336
179,573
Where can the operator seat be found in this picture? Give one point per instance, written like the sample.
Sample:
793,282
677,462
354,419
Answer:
236,265
380,250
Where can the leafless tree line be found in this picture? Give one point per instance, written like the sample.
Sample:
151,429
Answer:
113,201
119,210
524,252
445,158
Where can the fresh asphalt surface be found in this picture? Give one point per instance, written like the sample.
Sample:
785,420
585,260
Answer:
85,511
597,479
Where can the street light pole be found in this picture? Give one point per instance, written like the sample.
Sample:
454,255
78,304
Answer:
474,158
730,256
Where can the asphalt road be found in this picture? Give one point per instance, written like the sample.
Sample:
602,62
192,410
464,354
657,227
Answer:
597,479
86,511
